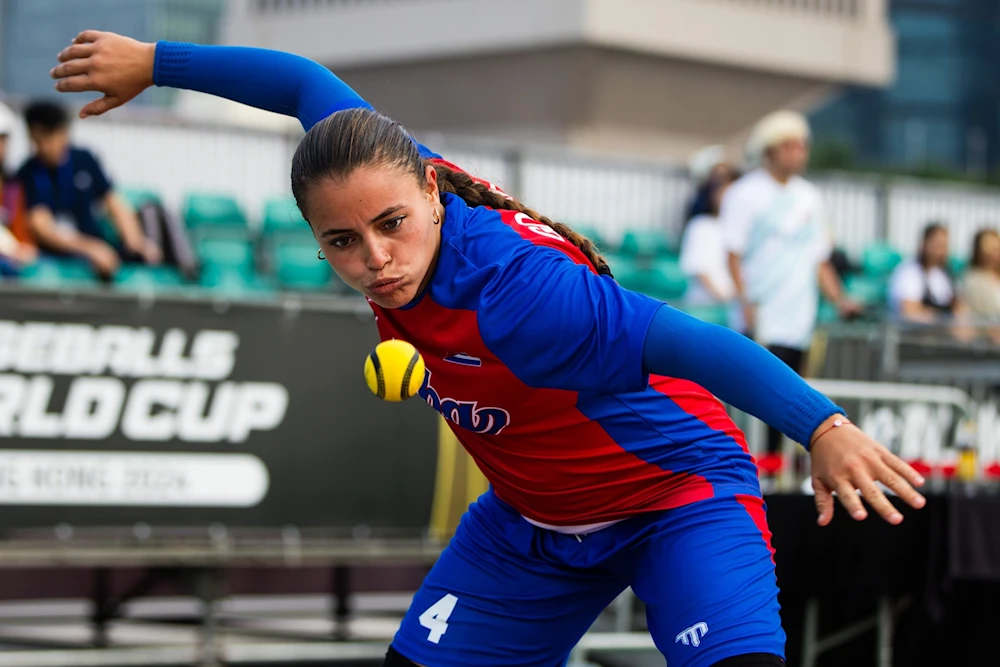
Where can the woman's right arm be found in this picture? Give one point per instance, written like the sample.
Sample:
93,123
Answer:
121,68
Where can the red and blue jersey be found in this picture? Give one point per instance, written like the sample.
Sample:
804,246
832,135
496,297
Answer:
535,361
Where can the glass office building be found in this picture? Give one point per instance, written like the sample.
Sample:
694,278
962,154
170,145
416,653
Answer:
32,32
943,109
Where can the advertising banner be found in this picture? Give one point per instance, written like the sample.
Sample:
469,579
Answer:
116,410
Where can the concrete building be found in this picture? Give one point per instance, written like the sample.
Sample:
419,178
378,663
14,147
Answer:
657,77
32,32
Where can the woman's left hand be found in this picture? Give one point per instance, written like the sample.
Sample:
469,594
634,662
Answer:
845,461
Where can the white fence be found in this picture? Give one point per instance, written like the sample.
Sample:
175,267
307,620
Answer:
611,196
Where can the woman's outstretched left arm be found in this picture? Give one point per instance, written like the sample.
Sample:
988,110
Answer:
745,375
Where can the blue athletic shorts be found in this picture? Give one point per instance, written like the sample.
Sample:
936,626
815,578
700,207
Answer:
508,594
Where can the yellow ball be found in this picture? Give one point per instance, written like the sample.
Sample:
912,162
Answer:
394,370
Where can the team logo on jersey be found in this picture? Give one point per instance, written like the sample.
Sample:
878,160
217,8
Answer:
692,636
467,414
463,359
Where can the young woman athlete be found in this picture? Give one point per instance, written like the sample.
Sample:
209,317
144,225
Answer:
588,407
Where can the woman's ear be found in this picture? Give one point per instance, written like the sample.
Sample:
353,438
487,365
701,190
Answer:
431,189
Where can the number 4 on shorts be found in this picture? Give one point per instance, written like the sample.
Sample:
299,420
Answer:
436,617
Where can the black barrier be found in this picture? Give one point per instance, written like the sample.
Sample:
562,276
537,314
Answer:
184,413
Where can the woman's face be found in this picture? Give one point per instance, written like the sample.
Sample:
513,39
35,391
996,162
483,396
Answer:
989,250
376,228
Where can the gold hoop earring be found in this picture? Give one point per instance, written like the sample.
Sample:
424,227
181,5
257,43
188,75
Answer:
320,256
437,217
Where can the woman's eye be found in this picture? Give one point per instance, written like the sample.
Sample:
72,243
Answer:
341,242
389,225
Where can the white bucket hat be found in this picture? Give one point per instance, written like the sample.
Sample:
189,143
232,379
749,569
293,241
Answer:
775,128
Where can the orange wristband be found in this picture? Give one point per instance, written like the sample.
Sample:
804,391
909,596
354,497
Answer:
838,422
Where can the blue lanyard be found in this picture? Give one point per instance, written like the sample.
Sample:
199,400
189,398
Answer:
65,199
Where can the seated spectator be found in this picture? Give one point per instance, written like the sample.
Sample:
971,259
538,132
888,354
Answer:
62,185
981,287
16,248
704,258
922,289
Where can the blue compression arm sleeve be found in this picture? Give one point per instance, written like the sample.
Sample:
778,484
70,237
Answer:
270,80
736,370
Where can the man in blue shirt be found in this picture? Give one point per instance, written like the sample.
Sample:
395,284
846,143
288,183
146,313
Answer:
63,185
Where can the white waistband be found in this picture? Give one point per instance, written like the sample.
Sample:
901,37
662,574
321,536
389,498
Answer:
573,530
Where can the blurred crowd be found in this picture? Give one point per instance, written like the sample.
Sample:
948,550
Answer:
756,242
61,203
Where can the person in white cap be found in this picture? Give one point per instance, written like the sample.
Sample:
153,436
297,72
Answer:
779,245
16,249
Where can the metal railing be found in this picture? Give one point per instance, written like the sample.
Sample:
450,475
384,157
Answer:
605,194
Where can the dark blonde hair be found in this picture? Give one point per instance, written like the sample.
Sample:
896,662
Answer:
354,138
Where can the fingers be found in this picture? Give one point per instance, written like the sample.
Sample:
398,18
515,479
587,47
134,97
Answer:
97,107
877,500
70,68
903,468
850,500
76,52
824,502
76,84
892,474
88,36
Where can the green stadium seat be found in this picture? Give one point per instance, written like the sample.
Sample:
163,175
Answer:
137,278
214,216
714,314
827,312
232,281
867,290
282,216
879,260
662,280
50,273
296,267
232,253
647,243
136,197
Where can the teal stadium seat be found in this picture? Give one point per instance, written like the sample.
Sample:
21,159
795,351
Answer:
879,260
647,243
134,278
51,273
231,253
662,280
958,266
712,314
870,291
297,268
235,282
136,197
209,215
282,218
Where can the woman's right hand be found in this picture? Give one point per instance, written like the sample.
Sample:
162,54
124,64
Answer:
119,67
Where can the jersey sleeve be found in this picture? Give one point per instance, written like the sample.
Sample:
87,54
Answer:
263,78
736,370
558,325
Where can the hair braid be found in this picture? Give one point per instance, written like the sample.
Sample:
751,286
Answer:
476,194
